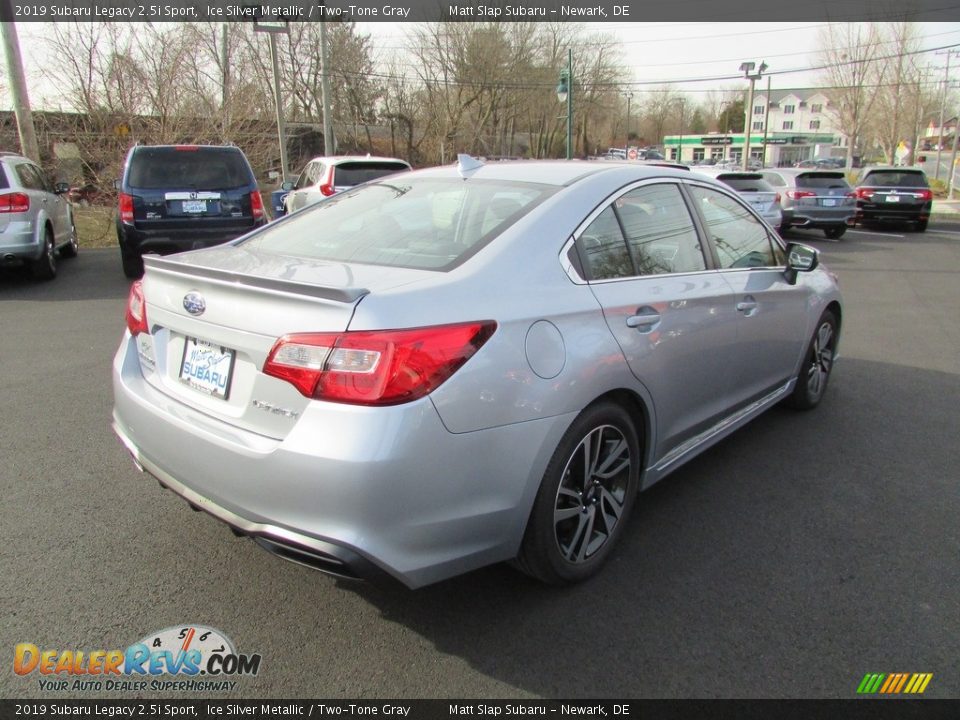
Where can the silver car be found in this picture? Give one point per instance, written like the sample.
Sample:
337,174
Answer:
36,219
814,199
464,365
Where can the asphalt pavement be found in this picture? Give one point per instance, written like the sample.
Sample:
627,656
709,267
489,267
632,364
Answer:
801,553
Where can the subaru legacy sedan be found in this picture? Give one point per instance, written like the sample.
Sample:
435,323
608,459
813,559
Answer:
465,365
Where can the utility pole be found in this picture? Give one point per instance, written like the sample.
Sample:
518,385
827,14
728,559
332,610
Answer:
943,104
766,123
329,142
18,89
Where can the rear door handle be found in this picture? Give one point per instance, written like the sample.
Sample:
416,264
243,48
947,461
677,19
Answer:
748,306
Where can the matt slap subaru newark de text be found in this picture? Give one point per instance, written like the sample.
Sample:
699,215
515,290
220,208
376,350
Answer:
533,709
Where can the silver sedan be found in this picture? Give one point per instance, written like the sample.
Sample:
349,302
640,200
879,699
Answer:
465,365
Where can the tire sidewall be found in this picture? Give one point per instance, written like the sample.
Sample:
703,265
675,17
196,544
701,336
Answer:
541,554
802,398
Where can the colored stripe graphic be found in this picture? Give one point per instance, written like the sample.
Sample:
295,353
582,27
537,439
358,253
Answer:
894,683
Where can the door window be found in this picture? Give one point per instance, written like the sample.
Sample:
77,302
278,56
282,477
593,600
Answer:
740,239
660,233
603,248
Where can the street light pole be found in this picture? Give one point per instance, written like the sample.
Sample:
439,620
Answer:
565,93
626,147
18,89
747,69
680,143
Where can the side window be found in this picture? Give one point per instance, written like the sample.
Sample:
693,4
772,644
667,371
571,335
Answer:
304,178
741,240
28,178
659,230
603,249
42,182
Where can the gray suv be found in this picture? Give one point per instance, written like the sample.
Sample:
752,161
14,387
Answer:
36,220
813,199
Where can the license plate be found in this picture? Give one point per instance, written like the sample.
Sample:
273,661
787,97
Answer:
194,206
893,198
829,203
207,367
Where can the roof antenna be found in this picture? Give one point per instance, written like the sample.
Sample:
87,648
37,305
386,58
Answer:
467,165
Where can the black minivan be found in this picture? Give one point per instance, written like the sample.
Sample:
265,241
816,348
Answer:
181,197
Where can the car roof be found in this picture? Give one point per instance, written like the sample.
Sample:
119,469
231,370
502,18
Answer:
186,145
555,172
805,171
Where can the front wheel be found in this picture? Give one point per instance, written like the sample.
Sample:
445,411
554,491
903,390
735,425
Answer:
835,232
817,365
584,499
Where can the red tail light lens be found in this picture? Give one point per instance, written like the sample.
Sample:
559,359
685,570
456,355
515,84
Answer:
126,208
384,367
137,310
14,202
926,195
256,205
186,148
797,194
864,193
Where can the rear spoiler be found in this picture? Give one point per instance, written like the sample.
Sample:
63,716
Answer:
277,285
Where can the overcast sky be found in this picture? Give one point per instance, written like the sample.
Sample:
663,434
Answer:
655,52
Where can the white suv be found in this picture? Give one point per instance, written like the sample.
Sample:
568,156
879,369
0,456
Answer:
326,176
36,220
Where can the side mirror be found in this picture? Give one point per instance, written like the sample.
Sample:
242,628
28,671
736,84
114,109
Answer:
800,258
61,188
288,185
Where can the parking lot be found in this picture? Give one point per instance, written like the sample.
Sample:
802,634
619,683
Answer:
788,561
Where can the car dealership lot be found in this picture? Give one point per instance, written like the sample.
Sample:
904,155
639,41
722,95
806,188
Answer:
796,556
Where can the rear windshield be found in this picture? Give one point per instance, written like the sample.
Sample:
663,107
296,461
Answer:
354,173
822,180
896,178
196,168
422,223
746,183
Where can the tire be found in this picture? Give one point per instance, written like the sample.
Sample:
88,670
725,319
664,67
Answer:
72,247
835,232
578,514
817,365
132,264
45,267
920,226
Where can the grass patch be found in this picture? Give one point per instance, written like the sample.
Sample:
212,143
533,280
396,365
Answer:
96,226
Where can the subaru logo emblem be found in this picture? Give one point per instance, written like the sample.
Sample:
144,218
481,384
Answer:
193,196
194,303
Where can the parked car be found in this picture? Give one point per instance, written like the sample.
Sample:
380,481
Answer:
752,188
894,194
467,364
813,199
36,220
326,176
182,197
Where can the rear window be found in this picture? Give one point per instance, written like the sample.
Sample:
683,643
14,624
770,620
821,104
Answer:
746,183
896,178
354,173
822,180
196,168
421,223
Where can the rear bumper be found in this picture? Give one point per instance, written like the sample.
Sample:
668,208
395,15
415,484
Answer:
893,213
165,242
351,491
819,219
19,243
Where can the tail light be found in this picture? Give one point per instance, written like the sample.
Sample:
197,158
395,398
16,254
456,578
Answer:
382,367
14,202
926,195
326,187
864,193
126,208
256,205
186,148
137,310
797,194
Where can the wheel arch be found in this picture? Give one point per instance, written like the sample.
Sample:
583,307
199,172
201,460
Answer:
641,416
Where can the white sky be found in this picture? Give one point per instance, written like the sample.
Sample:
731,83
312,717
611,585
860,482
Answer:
655,52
